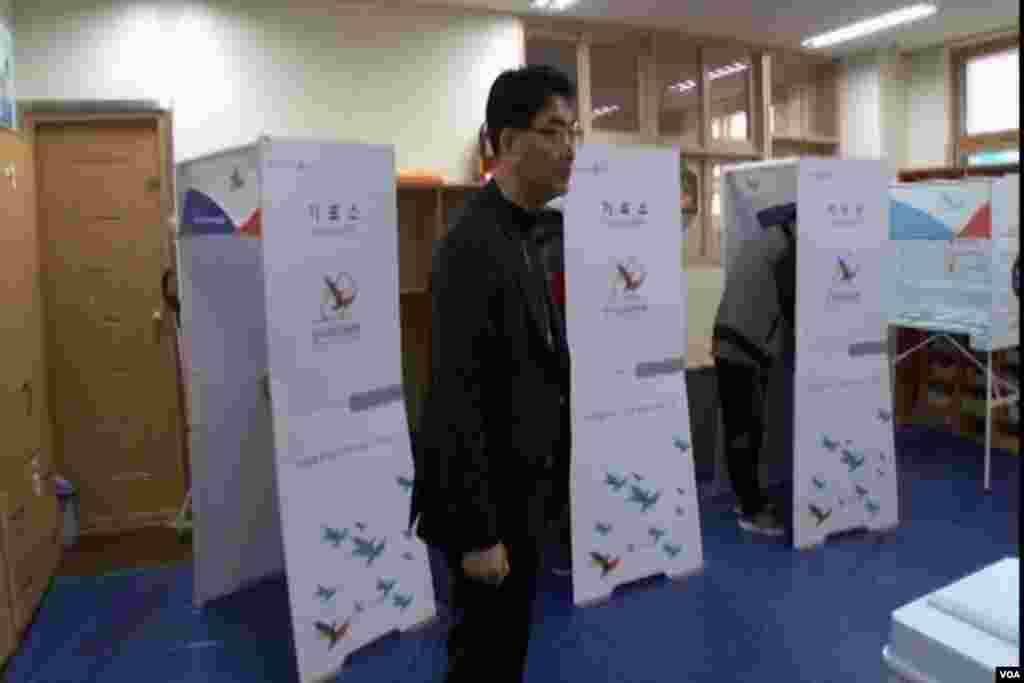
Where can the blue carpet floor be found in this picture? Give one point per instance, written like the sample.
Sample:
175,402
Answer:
759,611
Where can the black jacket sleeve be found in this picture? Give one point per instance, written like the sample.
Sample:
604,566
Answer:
462,342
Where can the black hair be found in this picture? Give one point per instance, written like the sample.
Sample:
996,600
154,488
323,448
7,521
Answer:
518,95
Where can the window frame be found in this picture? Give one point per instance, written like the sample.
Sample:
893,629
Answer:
962,145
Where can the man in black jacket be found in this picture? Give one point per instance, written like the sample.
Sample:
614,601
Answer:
494,431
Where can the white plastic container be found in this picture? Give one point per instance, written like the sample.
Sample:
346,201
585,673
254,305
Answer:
961,633
67,497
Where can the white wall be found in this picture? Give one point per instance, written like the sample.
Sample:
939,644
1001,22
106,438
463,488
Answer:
861,122
927,108
893,76
233,70
6,12
895,108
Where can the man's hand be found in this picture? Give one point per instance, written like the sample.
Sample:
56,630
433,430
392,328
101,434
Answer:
487,566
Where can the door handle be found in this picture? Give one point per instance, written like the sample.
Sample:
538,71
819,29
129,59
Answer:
171,299
158,324
26,388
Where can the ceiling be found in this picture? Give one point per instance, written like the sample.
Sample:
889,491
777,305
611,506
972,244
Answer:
784,23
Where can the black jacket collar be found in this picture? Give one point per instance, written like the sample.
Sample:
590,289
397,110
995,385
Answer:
512,215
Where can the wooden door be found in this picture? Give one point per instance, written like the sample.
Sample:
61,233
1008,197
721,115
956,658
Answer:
113,375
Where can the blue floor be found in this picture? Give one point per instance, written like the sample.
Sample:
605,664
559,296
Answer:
759,611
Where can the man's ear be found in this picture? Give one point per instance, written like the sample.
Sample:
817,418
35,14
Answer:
508,140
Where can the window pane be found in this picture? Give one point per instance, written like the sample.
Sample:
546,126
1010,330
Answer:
615,89
738,125
993,92
679,109
1008,156
716,205
728,86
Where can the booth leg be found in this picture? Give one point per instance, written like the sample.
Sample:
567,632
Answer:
988,423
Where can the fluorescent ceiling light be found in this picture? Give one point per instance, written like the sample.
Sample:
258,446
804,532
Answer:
714,74
552,5
869,26
604,111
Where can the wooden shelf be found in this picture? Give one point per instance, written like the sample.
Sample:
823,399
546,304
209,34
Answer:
819,140
424,212
910,175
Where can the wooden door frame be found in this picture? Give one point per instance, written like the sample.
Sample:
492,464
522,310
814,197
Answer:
49,113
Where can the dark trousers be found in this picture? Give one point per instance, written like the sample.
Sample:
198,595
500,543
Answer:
741,391
490,637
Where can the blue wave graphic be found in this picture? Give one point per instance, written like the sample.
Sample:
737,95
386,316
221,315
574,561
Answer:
203,216
908,223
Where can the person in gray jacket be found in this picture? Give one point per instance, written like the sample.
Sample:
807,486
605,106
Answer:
753,330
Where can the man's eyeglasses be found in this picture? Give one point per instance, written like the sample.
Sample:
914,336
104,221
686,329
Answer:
556,135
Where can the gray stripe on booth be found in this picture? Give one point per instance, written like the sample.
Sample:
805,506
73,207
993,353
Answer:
669,366
375,397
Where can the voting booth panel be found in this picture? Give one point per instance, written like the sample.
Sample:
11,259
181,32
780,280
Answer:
237,530
842,434
343,455
315,304
634,502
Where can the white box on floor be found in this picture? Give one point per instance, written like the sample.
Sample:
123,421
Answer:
961,633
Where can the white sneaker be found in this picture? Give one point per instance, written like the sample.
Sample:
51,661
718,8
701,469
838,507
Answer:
764,523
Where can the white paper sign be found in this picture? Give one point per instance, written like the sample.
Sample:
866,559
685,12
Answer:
633,486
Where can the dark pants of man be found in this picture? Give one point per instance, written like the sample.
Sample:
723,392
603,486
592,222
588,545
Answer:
741,391
491,634
490,639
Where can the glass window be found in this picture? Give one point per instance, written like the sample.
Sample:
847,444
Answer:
992,92
615,87
716,202
738,126
728,74
1007,156
679,108
790,79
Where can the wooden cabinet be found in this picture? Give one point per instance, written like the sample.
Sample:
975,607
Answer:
24,402
29,539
